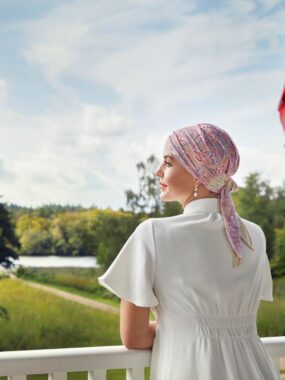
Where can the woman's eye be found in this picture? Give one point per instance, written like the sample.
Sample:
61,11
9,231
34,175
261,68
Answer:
167,163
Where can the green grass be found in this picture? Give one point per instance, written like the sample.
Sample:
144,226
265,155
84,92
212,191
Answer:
79,279
115,303
279,287
56,323
271,317
83,293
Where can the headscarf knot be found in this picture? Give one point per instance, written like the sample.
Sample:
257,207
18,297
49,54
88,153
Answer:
218,182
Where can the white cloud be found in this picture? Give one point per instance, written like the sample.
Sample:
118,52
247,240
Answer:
57,39
170,65
156,68
97,120
242,6
268,165
267,5
3,91
67,158
126,154
5,175
58,49
82,130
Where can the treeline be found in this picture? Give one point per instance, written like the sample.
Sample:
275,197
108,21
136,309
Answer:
90,232
78,231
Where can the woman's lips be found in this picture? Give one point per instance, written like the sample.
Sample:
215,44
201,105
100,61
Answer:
162,185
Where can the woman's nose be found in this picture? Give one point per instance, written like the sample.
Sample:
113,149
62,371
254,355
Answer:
158,172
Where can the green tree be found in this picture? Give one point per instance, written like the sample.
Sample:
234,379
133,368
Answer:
171,208
254,202
278,206
148,197
34,235
8,245
73,234
8,240
68,233
278,262
113,230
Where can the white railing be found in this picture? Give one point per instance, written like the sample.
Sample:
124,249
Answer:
16,365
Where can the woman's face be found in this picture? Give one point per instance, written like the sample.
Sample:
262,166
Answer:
179,183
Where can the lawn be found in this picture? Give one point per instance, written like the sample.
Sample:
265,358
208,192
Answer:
56,323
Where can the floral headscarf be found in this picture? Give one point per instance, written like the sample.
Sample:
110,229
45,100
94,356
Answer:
210,155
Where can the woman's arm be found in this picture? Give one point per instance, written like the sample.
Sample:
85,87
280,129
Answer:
137,331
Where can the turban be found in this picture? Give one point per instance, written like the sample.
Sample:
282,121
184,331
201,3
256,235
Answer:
209,154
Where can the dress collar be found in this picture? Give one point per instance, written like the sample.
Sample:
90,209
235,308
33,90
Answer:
213,205
203,204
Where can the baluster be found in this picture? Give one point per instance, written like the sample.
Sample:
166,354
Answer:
57,376
135,373
97,374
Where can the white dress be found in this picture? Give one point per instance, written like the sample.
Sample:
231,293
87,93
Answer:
183,268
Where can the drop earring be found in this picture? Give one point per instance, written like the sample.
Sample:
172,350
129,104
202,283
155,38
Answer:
195,190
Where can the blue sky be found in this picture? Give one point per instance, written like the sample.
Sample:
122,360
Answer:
90,88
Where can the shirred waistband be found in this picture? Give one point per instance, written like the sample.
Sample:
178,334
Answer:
212,326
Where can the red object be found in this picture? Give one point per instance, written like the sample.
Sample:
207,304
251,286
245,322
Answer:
281,109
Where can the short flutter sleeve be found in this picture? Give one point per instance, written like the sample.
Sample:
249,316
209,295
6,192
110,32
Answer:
266,293
131,274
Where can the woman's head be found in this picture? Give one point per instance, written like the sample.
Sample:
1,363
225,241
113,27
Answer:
195,155
202,155
177,184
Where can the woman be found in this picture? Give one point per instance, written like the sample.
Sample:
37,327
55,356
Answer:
202,273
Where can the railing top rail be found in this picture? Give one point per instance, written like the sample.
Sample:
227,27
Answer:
28,362
275,345
63,352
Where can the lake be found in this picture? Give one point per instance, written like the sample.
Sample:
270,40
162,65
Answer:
56,261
